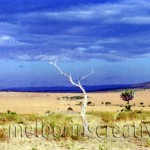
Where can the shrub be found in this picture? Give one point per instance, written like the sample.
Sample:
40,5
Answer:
79,104
89,103
3,135
107,103
70,109
128,108
127,95
8,111
34,148
13,113
48,112
76,97
9,117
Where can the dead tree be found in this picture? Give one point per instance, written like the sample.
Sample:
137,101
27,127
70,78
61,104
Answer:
78,84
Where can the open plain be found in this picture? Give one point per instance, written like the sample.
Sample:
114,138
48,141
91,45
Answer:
39,103
125,130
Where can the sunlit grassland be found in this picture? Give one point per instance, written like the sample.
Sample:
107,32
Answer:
99,122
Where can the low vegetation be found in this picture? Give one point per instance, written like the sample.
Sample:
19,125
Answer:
3,135
13,117
52,121
78,97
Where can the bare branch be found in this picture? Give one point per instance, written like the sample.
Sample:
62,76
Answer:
82,78
64,74
78,84
70,79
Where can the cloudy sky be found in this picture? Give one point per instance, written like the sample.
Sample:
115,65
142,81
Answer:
110,36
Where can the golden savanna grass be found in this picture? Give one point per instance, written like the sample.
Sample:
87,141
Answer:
41,102
24,109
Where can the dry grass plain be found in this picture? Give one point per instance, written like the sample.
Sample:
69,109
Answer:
39,103
28,106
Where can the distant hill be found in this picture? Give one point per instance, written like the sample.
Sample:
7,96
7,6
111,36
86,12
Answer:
145,85
66,89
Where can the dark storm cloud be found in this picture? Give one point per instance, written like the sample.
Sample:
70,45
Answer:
109,30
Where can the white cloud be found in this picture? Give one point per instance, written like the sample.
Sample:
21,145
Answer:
131,12
24,57
45,57
96,47
108,40
136,20
6,40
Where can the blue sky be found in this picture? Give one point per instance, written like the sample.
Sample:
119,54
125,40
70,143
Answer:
110,36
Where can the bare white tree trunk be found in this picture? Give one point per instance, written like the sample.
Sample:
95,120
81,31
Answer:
83,114
84,104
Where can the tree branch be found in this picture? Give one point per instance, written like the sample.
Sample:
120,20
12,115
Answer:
64,74
82,78
70,79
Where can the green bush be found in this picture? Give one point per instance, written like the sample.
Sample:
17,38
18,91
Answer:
128,107
127,95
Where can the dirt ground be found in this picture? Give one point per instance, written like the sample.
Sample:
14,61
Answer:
41,102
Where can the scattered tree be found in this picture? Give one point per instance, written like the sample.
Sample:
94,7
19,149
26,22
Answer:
127,96
78,84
